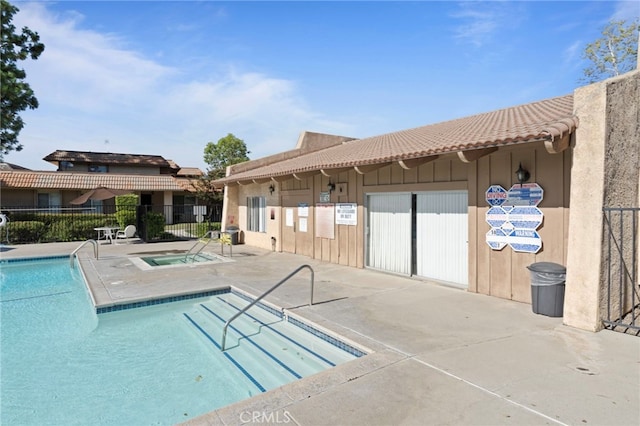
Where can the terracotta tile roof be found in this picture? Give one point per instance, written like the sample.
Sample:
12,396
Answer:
544,120
106,158
85,181
190,171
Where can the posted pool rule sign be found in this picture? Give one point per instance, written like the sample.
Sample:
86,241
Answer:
514,217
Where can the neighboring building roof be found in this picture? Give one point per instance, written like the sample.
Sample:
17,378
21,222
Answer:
546,120
8,167
189,171
85,181
107,158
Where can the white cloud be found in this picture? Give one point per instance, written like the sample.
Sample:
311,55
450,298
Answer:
93,89
481,21
626,10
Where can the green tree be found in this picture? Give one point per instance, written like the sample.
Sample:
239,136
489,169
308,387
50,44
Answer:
17,95
227,151
614,53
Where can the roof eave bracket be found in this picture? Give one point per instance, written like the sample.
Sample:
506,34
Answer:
557,145
473,155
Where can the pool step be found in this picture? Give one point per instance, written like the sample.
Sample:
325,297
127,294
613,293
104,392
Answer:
267,349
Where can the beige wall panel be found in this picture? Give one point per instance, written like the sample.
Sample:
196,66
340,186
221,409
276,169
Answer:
346,241
567,158
460,170
397,175
549,174
552,235
472,171
370,179
425,172
411,175
442,170
500,273
483,252
520,276
506,271
325,249
319,185
359,198
384,176
483,279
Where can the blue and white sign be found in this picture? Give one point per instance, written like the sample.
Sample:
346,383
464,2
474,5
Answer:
525,241
496,195
525,217
514,217
527,194
496,239
496,216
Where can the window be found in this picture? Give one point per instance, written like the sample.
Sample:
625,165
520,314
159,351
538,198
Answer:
49,201
256,214
94,168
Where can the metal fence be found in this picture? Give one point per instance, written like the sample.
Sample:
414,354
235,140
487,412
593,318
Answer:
27,225
620,272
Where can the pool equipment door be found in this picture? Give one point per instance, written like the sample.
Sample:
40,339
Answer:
388,232
442,236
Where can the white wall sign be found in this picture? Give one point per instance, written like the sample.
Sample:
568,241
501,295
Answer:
495,195
325,197
527,194
303,224
525,217
325,222
346,214
303,210
525,240
496,239
288,217
496,216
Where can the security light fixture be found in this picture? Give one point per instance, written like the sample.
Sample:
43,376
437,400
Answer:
272,189
331,187
522,174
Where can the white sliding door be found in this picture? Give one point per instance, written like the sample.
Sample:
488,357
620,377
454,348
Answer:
442,236
389,232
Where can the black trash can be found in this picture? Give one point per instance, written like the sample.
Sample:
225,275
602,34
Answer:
547,288
233,232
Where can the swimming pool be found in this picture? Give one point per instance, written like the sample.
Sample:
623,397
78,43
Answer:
62,363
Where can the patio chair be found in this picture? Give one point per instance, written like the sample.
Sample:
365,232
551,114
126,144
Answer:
127,234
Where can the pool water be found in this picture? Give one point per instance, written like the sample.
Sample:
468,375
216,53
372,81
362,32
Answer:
64,364
179,259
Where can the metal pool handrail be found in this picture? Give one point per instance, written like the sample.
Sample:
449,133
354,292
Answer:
95,250
210,234
246,308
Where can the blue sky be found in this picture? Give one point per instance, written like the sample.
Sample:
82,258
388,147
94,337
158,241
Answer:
166,77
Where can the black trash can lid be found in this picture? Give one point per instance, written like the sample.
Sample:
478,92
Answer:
547,267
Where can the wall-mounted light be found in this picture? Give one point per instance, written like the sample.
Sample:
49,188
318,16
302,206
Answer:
272,189
331,187
522,175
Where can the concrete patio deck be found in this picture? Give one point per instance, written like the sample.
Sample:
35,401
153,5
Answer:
441,356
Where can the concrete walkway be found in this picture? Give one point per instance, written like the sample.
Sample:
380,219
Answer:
440,356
